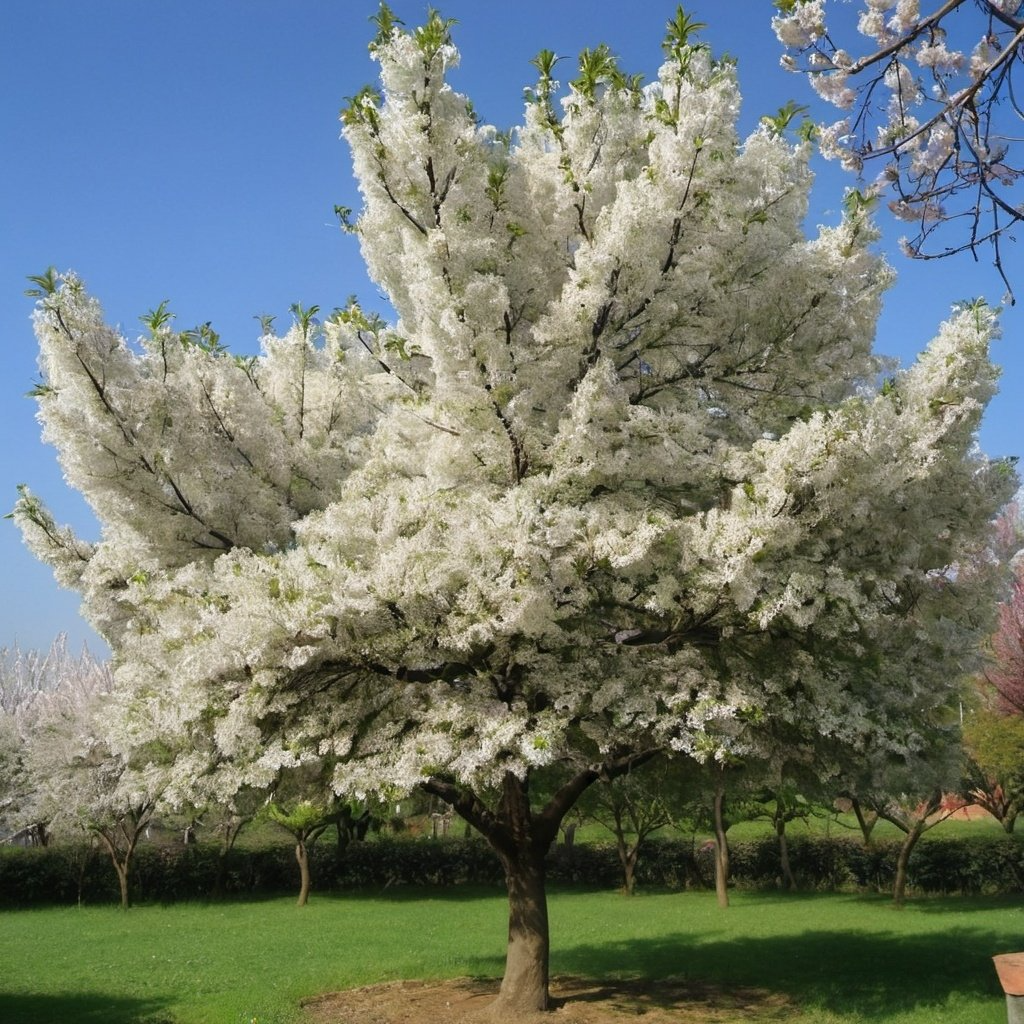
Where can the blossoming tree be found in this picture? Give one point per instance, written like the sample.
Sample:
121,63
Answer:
82,785
930,96
616,480
38,688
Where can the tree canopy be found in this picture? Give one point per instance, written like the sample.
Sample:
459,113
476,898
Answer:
620,478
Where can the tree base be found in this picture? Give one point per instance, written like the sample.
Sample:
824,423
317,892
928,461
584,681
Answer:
577,1000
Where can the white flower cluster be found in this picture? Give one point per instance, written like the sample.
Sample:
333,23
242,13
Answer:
803,26
917,83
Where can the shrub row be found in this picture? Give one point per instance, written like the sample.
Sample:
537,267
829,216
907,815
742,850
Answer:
66,874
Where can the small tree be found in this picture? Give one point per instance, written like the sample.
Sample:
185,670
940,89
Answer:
34,687
913,818
305,821
915,793
226,819
633,807
781,804
995,771
82,784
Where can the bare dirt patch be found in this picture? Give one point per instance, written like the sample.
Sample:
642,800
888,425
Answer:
576,1001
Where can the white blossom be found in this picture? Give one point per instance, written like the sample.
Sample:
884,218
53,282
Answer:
936,55
804,25
908,13
937,150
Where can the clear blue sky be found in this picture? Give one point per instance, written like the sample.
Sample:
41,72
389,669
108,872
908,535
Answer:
189,150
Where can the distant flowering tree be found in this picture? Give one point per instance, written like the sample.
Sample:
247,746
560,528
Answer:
617,481
1005,672
79,783
34,687
994,733
932,101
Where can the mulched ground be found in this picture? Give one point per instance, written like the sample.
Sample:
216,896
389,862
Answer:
577,1001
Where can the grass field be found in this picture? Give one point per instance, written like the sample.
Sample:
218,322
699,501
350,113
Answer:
843,959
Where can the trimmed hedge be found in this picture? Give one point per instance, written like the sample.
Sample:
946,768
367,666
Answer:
66,874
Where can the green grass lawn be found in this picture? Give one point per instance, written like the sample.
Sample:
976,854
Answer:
843,959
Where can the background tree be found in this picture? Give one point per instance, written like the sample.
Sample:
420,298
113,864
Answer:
80,785
865,815
617,481
916,793
11,789
305,820
781,803
913,817
1005,670
994,745
36,687
226,819
932,101
634,807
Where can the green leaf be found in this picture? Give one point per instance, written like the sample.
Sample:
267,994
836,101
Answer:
434,34
46,284
386,23
306,318
545,62
778,123
203,337
344,215
598,66
678,32
155,319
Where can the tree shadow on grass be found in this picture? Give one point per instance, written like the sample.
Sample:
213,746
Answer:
80,1009
958,905
870,977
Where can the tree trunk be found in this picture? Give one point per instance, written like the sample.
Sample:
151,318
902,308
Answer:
122,881
524,987
629,871
721,849
788,882
521,838
914,825
302,856
627,855
122,864
899,888
232,827
1009,816
865,819
81,862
